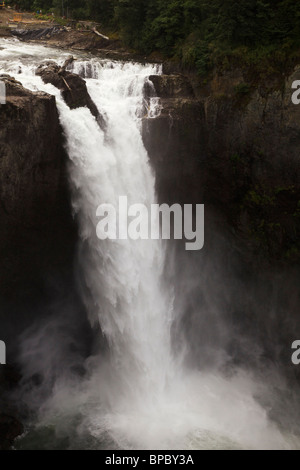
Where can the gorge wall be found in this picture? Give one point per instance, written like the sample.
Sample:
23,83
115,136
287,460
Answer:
38,234
235,149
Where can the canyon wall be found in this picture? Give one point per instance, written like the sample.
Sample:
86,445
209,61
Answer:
236,149
38,234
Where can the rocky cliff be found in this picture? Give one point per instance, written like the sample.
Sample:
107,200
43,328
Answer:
38,235
236,148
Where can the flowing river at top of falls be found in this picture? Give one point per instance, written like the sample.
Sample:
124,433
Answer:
140,397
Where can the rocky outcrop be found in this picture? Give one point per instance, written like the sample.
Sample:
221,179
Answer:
172,86
72,87
84,41
37,33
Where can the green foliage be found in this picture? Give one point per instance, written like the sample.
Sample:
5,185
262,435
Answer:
242,89
235,158
201,33
260,199
102,10
273,214
195,53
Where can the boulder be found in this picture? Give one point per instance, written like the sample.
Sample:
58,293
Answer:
72,86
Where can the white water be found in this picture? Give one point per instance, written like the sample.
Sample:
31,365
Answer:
123,276
139,396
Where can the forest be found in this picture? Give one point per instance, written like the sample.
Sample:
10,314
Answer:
199,33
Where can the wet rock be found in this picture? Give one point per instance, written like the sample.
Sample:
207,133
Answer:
37,33
72,87
172,86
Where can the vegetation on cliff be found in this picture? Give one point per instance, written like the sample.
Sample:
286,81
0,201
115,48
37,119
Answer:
199,33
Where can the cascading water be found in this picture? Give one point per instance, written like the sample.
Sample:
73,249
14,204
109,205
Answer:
123,277
138,395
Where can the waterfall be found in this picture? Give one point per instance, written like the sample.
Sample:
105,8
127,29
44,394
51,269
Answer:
123,277
137,395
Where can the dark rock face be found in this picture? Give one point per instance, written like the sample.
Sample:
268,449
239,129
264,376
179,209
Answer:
10,428
38,238
72,87
237,151
172,86
38,234
10,425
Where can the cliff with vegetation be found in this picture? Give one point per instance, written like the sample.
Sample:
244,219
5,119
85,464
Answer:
198,34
